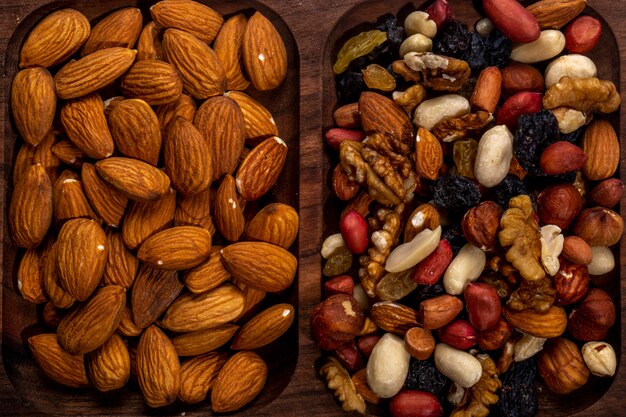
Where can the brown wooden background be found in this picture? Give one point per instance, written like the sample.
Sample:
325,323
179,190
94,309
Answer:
311,22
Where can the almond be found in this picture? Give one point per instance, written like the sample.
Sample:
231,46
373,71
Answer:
109,365
208,274
121,265
153,292
343,187
194,210
127,326
33,103
260,265
264,53
264,328
191,312
576,250
90,325
548,325
30,277
57,295
57,364
228,213
381,114
68,153
436,312
260,170
92,72
425,216
158,368
106,200
187,158
184,107
203,341
228,47
252,300
202,72
136,179
190,16
149,44
143,219
221,122
81,257
70,201
55,39
394,318
180,247
198,375
120,28
240,380
601,146
136,130
258,121
86,126
51,316
428,155
41,154
155,82
554,14
30,212
276,223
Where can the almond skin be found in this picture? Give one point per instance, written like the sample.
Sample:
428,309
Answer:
155,82
106,200
86,126
601,146
57,364
194,210
30,277
203,341
576,250
121,265
134,178
193,17
70,201
260,265
127,326
184,107
264,328
241,379
276,223
91,324
554,14
149,44
260,170
30,212
180,247
187,158
109,365
202,72
192,312
41,154
81,256
258,121
158,368
55,39
153,292
94,71
33,103
57,295
143,219
198,375
68,153
428,155
548,325
228,47
120,28
136,131
228,213
264,53
208,274
381,114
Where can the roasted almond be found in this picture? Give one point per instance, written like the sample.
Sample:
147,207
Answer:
264,53
155,82
136,131
32,155
92,72
381,114
120,28
30,212
184,107
68,153
153,292
33,103
203,341
228,47
194,210
51,316
554,14
549,324
59,297
108,202
191,16
601,145
134,178
393,317
127,326
202,72
239,381
198,374
191,312
265,327
90,325
55,39
70,201
149,44
252,300
260,265
56,363
30,277
180,247
260,169
121,265
228,214
143,219
276,223
428,155
208,274
258,121
109,365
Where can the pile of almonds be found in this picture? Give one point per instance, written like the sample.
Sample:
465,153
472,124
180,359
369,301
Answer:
130,196
473,293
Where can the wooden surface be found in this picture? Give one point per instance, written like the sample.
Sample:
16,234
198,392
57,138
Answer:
311,23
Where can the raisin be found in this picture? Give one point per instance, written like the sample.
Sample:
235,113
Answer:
378,78
518,397
388,52
510,187
534,133
395,285
453,41
454,192
497,49
350,84
464,155
357,46
339,262
455,238
573,137
424,376
424,292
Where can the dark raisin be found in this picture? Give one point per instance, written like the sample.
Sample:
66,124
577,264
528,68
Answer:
510,187
350,84
454,192
452,41
517,396
573,137
534,133
455,238
387,52
424,292
497,49
424,376
475,54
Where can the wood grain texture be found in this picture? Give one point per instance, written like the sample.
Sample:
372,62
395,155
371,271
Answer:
311,23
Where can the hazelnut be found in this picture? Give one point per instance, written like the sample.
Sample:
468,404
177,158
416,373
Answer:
600,358
343,186
571,282
608,192
438,311
336,320
599,226
459,334
480,225
561,366
559,205
495,337
593,318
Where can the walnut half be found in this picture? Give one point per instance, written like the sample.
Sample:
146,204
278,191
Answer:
338,379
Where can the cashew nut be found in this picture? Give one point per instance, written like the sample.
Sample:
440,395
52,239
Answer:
527,347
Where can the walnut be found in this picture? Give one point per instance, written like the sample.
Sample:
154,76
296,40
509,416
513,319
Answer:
441,73
520,231
483,393
583,94
410,98
338,379
538,295
392,149
470,125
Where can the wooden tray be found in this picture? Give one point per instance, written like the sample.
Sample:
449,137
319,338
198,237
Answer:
313,25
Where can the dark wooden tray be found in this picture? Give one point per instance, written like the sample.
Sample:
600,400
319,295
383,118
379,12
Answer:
315,26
